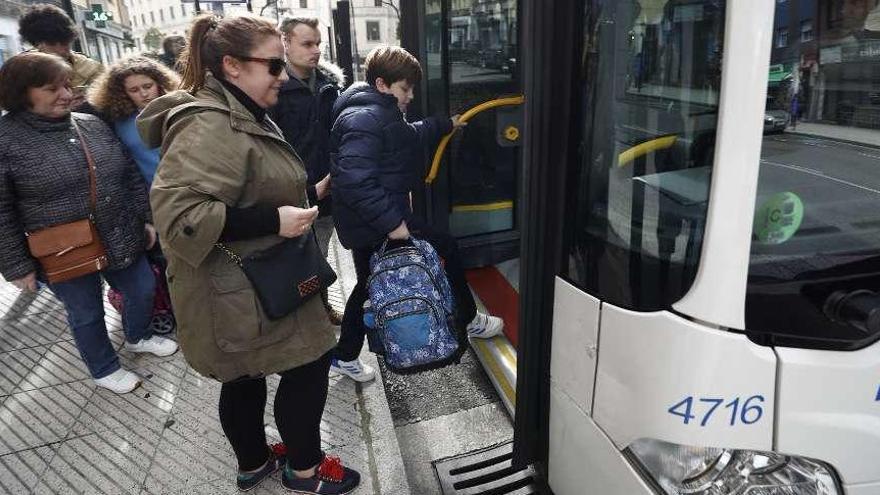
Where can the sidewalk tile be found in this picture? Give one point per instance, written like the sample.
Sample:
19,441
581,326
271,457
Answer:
108,411
40,417
33,330
14,303
113,462
16,365
61,363
20,472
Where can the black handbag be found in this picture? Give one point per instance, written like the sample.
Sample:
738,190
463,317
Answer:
286,275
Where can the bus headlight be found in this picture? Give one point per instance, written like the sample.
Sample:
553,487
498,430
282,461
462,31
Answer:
681,469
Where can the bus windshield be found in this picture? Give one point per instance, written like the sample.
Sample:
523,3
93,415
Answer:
817,222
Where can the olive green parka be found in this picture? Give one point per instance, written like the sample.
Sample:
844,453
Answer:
215,154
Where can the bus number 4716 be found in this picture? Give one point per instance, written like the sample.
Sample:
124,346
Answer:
747,412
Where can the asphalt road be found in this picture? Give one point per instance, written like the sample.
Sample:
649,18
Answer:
838,184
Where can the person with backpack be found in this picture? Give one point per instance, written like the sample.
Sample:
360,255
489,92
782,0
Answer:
375,161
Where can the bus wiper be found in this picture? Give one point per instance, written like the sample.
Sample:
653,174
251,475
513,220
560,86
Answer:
859,309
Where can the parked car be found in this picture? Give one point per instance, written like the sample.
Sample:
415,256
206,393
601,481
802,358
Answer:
775,120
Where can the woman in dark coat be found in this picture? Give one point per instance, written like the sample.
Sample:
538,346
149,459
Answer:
44,182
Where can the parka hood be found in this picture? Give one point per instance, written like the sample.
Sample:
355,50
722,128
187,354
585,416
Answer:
332,73
361,95
152,120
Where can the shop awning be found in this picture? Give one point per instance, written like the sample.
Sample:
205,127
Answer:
777,75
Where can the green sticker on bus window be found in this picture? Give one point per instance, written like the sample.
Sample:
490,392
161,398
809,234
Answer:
779,218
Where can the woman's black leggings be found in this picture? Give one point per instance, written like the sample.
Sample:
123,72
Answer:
299,405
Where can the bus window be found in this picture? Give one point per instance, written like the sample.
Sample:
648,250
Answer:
651,81
815,256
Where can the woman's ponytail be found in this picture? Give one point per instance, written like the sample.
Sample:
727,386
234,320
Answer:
192,58
212,37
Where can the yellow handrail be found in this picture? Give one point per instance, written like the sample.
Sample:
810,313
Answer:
441,148
643,149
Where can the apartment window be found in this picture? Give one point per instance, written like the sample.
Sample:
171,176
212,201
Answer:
152,17
807,30
781,38
143,20
134,22
182,10
303,4
161,15
373,31
171,11
377,3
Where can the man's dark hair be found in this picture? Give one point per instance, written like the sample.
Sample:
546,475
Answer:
169,41
288,23
29,70
44,23
392,64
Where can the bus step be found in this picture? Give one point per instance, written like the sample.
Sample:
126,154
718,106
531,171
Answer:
486,472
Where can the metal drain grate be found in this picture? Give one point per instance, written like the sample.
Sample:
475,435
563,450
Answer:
485,472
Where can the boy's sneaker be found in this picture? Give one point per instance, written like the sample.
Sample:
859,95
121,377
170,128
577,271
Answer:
356,370
331,478
249,481
485,326
120,381
154,345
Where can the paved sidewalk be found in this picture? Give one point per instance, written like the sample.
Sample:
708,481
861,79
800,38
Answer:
60,434
856,135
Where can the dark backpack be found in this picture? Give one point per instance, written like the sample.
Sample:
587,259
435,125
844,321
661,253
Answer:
413,308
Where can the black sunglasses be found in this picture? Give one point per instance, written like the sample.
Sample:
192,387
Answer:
276,65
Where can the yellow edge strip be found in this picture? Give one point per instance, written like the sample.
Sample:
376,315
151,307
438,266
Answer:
500,205
482,347
438,155
643,149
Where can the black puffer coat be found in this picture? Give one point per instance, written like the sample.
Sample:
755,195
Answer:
376,159
305,118
44,182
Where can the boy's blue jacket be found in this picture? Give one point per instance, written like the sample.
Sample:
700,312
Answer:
376,159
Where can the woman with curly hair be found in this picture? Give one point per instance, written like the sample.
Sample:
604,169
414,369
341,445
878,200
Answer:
122,92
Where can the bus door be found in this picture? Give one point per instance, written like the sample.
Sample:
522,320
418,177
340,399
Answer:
712,290
470,53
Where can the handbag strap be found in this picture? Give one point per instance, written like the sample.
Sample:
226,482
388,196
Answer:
93,181
232,254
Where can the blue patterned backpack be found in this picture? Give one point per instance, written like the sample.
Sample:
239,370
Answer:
412,307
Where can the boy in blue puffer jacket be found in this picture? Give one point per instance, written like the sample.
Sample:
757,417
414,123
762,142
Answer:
376,159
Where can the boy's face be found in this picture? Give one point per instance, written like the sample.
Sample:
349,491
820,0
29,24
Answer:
402,90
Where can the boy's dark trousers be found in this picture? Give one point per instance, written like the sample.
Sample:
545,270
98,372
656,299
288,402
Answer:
353,331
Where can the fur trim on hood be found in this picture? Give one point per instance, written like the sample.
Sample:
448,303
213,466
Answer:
332,72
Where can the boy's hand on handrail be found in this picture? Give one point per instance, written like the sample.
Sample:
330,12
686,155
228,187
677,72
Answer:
294,222
401,233
457,122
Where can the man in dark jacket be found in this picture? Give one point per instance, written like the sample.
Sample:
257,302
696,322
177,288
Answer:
376,159
303,112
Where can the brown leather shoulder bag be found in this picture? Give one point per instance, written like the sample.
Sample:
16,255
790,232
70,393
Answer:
72,249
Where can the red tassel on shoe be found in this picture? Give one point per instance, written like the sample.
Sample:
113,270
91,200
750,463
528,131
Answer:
331,469
279,449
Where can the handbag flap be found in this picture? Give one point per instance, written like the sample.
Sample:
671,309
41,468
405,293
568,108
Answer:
58,238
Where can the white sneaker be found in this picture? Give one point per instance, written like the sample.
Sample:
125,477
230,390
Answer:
120,381
356,370
485,326
155,345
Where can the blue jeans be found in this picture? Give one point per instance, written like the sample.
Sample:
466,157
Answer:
82,298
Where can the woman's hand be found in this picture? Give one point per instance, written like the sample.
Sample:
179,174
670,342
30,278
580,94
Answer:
294,222
457,122
151,235
322,188
27,283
